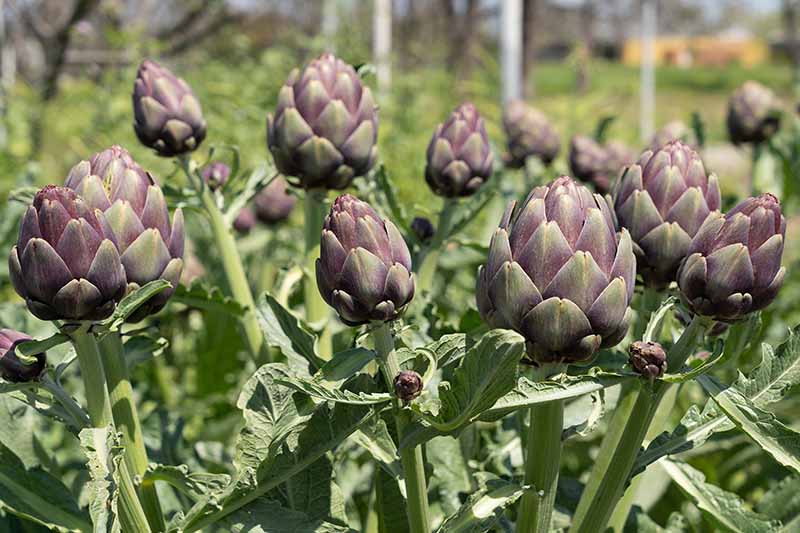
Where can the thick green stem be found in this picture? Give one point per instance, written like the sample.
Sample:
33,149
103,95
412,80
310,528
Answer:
606,485
428,259
542,463
126,420
411,458
317,311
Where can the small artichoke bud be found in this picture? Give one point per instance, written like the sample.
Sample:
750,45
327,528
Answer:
66,264
559,274
459,155
167,116
618,156
753,114
274,203
216,174
423,229
648,359
11,367
364,268
150,246
587,160
734,262
245,221
529,134
675,130
663,200
407,385
325,126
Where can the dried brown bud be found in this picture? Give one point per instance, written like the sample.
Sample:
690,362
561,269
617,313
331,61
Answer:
648,359
407,385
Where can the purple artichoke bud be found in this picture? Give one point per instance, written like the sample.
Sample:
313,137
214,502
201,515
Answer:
734,262
529,134
459,156
167,116
618,156
407,385
673,131
364,268
559,274
216,174
244,221
752,114
589,162
11,367
325,125
648,359
150,247
66,264
423,229
663,200
274,203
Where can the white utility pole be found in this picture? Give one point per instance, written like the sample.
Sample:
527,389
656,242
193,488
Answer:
511,48
648,80
382,43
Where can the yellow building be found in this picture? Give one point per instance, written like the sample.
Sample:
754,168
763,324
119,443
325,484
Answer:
705,50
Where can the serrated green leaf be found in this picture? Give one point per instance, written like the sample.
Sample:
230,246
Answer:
269,516
319,391
314,493
390,504
23,195
133,301
210,299
782,501
193,484
581,415
288,333
377,441
656,322
699,369
104,454
29,348
451,474
483,509
725,509
344,365
449,349
142,348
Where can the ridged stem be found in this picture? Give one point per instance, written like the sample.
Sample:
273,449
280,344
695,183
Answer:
411,458
317,311
427,260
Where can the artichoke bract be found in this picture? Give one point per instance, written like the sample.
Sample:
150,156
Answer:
66,264
559,274
325,126
364,268
734,262
753,115
663,200
216,175
459,157
150,246
167,115
529,134
11,367
273,203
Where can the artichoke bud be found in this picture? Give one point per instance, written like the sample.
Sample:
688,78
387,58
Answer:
12,368
274,203
216,175
459,157
407,385
325,126
753,114
66,264
529,133
559,274
167,115
423,229
674,130
648,359
663,200
245,221
587,160
734,263
150,246
364,268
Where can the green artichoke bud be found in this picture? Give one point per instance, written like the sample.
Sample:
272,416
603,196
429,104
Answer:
216,175
364,268
407,385
245,221
734,262
663,200
459,155
151,248
167,116
66,264
423,229
753,114
559,274
529,134
325,125
11,367
273,203
648,359
675,130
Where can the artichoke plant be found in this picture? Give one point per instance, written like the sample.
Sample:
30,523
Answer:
674,130
618,156
325,126
66,264
167,115
216,175
11,367
734,262
150,247
753,115
364,268
529,134
459,157
588,162
662,200
273,203
648,359
559,274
